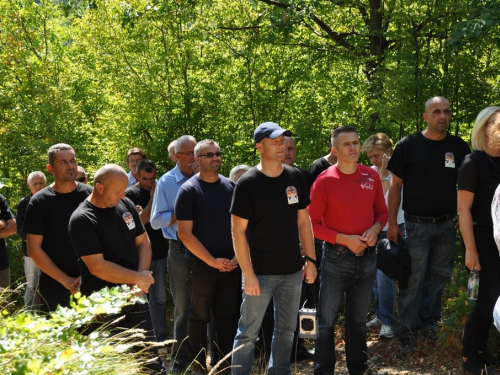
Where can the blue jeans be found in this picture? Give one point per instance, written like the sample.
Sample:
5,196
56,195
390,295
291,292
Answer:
384,290
344,275
158,298
285,292
432,250
32,273
177,265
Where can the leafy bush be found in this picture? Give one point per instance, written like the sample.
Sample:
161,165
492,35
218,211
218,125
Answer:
35,344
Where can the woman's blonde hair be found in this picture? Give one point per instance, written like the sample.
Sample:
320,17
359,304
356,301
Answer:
478,137
379,140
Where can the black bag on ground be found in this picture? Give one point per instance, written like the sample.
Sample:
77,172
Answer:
393,260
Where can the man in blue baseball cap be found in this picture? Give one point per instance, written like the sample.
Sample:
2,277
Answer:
269,219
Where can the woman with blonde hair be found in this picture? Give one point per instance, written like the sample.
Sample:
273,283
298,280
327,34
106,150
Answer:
478,179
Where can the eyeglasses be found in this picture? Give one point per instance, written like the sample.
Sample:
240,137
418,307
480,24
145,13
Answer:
190,153
210,155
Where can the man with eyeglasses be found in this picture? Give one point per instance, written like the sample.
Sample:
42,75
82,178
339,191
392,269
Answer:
46,226
141,194
202,210
36,181
163,216
134,156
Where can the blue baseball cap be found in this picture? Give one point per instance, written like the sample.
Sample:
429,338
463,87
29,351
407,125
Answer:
269,130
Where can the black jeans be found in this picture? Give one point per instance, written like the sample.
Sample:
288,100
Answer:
212,290
137,316
478,324
50,298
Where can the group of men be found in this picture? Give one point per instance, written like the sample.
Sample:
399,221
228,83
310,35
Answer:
230,249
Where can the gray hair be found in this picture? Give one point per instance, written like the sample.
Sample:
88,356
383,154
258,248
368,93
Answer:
53,150
182,140
199,146
34,174
236,169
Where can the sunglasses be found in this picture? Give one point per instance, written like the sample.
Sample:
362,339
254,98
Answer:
212,154
81,179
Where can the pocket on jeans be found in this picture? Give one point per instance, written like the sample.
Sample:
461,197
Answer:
332,255
411,229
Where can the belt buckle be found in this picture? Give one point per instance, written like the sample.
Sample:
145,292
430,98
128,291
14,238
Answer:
360,254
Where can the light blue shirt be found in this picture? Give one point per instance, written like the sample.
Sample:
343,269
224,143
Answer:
164,202
131,179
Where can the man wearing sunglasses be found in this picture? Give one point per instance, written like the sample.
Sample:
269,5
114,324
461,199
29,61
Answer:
163,216
202,210
81,176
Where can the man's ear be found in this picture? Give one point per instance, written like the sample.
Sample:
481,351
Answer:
49,168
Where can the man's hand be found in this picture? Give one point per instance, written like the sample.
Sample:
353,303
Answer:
356,243
229,265
72,284
145,280
393,231
309,272
251,285
152,191
370,236
139,208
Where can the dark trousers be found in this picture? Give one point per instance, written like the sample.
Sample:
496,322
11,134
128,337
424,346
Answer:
50,298
478,324
137,316
212,291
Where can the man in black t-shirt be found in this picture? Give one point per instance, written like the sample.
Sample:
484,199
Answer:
269,219
141,194
114,249
202,210
425,166
46,226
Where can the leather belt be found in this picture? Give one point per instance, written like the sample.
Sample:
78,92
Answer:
346,251
429,220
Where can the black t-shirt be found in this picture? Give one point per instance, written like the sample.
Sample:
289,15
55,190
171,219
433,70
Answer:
107,231
22,207
307,176
159,244
270,204
48,216
429,169
207,206
480,174
5,214
317,167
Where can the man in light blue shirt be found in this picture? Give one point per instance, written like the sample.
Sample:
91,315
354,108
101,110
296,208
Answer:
162,216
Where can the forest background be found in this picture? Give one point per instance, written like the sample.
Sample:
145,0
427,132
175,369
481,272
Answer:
108,75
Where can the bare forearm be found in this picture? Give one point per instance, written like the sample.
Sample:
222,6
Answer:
115,273
146,212
9,229
43,261
394,202
145,254
196,247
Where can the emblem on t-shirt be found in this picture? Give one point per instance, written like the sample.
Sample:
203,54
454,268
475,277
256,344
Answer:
129,220
449,160
366,181
291,193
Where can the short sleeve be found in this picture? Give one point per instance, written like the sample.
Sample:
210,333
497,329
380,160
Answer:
397,163
241,203
184,203
468,175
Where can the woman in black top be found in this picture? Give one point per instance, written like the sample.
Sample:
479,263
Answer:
478,179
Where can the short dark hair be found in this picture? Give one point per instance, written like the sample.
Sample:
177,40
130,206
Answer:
53,150
146,165
136,151
342,129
